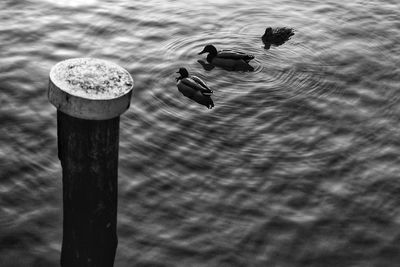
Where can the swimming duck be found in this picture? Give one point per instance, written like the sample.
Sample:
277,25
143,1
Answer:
228,59
276,37
194,88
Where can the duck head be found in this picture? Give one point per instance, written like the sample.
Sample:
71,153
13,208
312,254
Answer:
209,49
268,31
212,52
267,38
183,72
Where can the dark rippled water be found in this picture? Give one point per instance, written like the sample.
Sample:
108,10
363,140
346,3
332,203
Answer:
297,164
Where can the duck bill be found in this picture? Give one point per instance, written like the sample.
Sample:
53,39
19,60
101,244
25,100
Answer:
202,52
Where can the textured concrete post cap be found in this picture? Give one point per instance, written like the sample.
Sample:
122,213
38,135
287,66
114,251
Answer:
89,88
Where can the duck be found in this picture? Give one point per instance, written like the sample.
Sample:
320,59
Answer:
276,36
228,59
194,88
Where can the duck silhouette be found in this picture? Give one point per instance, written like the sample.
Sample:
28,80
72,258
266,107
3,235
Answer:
194,88
276,37
227,59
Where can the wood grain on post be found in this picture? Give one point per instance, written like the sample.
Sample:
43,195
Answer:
90,95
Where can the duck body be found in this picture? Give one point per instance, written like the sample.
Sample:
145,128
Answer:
276,36
228,59
194,88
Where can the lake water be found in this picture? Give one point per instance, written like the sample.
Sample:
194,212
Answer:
298,163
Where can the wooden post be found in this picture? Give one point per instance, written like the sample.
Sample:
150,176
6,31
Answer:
90,95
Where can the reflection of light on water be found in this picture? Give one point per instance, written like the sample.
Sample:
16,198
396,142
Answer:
72,3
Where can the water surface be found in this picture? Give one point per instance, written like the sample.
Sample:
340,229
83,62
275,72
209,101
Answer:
297,164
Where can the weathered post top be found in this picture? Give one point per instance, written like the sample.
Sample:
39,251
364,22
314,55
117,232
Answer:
89,88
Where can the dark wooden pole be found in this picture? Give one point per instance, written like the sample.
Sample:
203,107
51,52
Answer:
90,95
88,151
